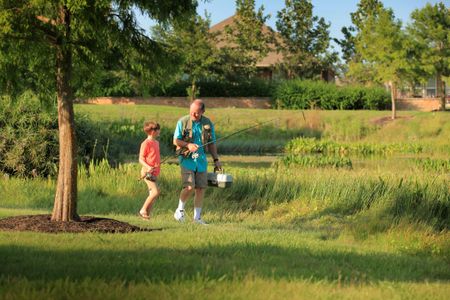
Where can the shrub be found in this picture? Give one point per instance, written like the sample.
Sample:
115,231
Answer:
307,94
434,165
28,137
219,88
311,145
29,143
317,161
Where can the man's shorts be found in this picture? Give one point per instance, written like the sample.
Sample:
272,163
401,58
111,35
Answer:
194,179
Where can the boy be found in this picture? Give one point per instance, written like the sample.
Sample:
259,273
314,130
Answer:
149,158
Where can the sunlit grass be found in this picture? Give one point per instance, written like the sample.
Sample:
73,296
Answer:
248,259
376,231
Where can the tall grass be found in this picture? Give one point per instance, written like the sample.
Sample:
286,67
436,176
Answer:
396,196
312,145
123,126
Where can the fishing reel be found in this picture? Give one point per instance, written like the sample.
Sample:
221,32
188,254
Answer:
186,153
149,176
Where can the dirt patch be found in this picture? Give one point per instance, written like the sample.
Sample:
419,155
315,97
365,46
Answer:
42,223
384,120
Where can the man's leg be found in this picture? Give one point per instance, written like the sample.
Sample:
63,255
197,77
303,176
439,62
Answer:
201,181
186,193
198,201
188,179
198,198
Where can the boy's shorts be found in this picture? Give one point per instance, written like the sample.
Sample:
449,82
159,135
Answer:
194,179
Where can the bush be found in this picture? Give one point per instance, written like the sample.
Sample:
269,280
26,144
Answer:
116,141
220,88
316,161
311,145
29,142
28,137
307,94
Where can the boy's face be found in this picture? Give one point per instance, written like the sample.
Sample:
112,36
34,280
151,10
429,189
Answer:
155,132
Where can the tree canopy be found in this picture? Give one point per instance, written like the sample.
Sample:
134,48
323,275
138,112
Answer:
304,41
46,39
430,33
191,41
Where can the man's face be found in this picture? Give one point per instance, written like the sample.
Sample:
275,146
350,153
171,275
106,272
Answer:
196,112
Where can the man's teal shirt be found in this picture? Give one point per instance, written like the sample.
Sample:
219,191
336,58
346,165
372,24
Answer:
199,164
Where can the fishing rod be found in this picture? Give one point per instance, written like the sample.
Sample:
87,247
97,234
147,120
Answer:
182,151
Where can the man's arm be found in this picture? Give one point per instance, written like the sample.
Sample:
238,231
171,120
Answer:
182,144
212,148
177,139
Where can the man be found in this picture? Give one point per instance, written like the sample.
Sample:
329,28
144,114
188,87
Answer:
191,132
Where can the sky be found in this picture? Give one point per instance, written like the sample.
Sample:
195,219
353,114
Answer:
336,12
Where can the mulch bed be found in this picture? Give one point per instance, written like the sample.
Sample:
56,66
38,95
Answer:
384,120
42,223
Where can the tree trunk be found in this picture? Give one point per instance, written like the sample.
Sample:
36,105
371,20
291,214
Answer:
440,90
443,99
65,208
393,96
193,91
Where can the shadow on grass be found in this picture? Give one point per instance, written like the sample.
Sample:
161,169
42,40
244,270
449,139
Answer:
214,262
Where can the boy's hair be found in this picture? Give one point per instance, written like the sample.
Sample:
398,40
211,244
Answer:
149,126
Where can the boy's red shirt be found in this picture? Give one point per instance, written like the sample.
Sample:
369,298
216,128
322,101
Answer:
151,155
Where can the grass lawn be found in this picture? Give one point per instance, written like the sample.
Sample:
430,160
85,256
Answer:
248,259
378,230
302,234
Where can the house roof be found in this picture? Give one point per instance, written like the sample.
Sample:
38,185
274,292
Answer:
272,57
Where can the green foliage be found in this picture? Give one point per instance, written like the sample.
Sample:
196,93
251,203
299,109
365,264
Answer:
429,32
358,71
415,197
245,42
192,42
436,164
106,84
311,145
298,94
419,132
316,161
28,137
219,88
304,41
429,29
387,63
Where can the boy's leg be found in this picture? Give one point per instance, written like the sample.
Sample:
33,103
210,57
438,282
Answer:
153,194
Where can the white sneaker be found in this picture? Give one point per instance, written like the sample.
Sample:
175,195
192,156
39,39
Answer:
200,221
179,215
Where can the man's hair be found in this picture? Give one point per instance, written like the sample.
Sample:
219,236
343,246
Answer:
149,126
202,104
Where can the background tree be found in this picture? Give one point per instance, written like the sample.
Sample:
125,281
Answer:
430,31
380,46
193,43
246,41
357,71
64,32
304,40
347,44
